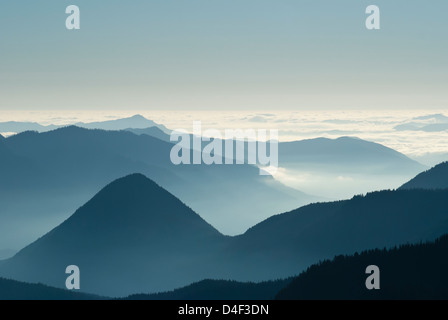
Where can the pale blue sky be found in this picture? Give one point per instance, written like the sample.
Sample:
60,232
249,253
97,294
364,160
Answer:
223,54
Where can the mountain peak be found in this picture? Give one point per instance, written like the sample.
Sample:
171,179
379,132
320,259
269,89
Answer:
350,138
133,210
132,228
138,117
136,201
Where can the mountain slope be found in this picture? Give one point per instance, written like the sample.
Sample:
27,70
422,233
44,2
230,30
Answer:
60,170
346,152
219,290
15,290
435,178
151,131
334,168
340,168
136,121
134,236
47,176
285,244
202,290
132,228
14,126
409,272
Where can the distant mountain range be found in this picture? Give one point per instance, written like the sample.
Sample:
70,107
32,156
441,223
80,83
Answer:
435,178
340,168
46,176
419,268
151,131
410,272
134,236
433,127
137,233
429,123
345,154
136,122
326,168
335,168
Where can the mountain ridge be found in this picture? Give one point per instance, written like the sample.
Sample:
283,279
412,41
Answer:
136,121
61,169
134,228
434,178
408,272
15,290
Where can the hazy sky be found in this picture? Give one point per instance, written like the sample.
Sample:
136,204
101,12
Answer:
223,54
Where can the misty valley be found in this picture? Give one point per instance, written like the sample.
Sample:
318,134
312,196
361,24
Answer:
110,202
227,156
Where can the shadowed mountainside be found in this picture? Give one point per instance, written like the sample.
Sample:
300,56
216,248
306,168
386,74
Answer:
132,228
409,272
15,290
434,178
203,290
151,131
219,290
137,230
136,121
282,245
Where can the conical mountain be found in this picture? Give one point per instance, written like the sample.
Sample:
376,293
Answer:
133,236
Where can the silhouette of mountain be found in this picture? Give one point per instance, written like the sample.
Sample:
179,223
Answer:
429,123
6,253
15,290
433,127
219,290
136,121
344,154
409,272
153,132
14,126
435,178
340,168
283,245
131,236
335,168
47,176
202,290
433,117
